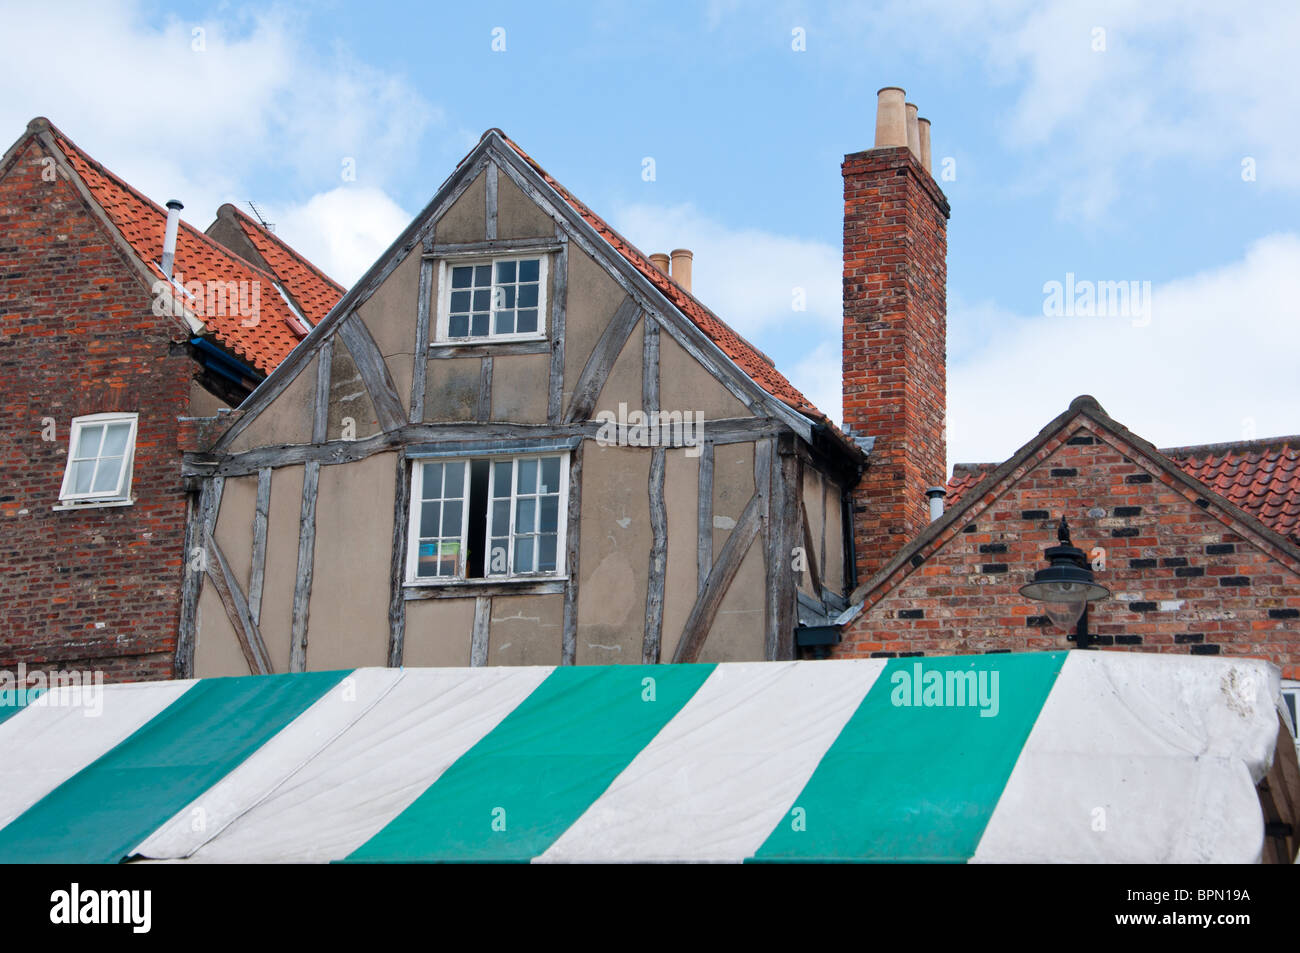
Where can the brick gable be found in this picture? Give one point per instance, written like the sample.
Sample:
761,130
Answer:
1188,573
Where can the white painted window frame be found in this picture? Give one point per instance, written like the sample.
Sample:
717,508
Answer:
416,501
442,329
121,495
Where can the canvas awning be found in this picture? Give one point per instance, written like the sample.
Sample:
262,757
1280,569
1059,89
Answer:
1052,756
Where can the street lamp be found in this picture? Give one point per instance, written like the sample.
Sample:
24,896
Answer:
1066,586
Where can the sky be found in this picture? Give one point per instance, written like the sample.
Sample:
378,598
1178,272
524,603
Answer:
1153,143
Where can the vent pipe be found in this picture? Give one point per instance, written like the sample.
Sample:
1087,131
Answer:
935,495
169,237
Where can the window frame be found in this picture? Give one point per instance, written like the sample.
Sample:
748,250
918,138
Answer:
442,328
510,576
91,498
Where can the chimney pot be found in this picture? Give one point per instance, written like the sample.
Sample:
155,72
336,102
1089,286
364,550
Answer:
891,117
174,207
682,261
924,127
913,131
660,261
935,495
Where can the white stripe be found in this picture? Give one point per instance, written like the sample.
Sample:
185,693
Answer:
332,797
65,730
1140,758
721,775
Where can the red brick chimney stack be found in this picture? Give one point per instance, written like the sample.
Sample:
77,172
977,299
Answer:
895,329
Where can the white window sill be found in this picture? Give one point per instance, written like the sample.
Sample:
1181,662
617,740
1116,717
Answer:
485,581
488,341
93,505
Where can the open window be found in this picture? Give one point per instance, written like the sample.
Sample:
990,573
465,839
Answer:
494,299
100,458
492,517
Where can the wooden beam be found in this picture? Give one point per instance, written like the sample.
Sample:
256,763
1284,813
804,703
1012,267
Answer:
397,565
481,587
783,503
700,621
588,386
569,637
559,305
257,575
822,561
485,390
306,562
490,219
654,600
320,421
478,646
232,597
442,352
494,246
374,372
423,332
205,466
704,518
199,524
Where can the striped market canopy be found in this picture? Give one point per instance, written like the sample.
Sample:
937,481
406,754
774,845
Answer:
1052,756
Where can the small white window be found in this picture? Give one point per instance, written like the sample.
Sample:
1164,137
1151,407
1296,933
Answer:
488,518
500,299
100,458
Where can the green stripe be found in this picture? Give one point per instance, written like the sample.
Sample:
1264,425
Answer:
516,791
110,806
916,782
14,700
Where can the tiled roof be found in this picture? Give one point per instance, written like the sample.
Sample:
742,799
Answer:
314,291
1262,477
198,258
750,360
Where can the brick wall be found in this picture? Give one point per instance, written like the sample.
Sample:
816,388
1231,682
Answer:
1181,580
94,588
894,344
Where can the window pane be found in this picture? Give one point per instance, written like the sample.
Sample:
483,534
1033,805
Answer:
502,475
480,325
527,322
483,275
454,484
106,478
482,300
461,277
430,521
458,326
498,558
500,517
505,322
88,441
505,271
460,301
432,481
427,564
528,296
546,554
550,514
81,474
115,440
507,297
524,554
550,475
451,514
526,516
527,476
528,270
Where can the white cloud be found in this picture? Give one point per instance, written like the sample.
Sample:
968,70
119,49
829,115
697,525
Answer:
254,105
343,231
1215,363
818,374
748,277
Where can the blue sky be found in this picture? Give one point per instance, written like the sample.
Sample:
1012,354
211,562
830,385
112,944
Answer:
1114,155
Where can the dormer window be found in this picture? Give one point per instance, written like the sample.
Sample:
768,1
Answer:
498,299
100,458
